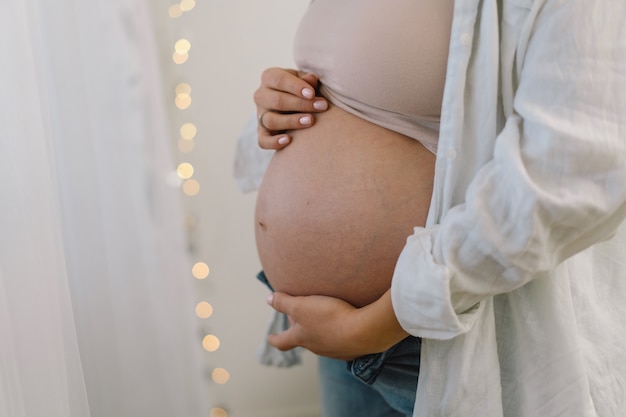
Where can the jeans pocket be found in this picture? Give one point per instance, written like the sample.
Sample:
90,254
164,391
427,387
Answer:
404,357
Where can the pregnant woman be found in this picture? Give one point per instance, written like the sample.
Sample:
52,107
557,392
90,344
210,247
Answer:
336,206
516,282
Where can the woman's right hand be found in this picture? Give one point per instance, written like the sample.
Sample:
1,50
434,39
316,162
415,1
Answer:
285,101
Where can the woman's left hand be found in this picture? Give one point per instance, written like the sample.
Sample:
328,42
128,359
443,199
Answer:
331,327
285,101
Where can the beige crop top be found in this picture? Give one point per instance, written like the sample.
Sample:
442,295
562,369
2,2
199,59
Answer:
382,60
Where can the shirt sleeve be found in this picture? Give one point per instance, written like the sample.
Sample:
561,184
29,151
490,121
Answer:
250,161
556,183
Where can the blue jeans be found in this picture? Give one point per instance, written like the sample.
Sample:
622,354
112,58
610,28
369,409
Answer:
376,385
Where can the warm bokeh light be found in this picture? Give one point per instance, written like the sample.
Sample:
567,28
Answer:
175,11
188,131
186,146
200,270
191,188
218,412
183,178
180,58
183,88
187,5
204,310
183,101
185,170
220,376
210,343
182,46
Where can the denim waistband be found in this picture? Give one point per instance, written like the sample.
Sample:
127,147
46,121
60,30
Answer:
402,358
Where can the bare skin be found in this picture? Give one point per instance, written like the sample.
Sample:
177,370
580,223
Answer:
336,206
326,325
331,327
286,100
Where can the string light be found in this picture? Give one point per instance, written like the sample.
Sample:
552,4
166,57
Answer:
185,170
200,270
218,412
183,101
191,187
181,51
220,376
180,58
183,88
175,11
182,46
204,310
188,131
210,343
187,5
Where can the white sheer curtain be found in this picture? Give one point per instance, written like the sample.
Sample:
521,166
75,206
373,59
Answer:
96,300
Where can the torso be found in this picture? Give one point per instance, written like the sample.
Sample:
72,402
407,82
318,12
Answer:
336,205
384,61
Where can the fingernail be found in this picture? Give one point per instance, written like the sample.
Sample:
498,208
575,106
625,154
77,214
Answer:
307,92
283,140
305,120
269,298
320,105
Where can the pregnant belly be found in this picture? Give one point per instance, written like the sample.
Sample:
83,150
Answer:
336,206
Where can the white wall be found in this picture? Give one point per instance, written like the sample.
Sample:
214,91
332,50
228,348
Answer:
232,42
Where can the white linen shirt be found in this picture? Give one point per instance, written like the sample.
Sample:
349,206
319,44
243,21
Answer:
522,311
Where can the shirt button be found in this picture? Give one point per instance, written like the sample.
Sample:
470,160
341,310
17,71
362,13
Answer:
451,153
466,39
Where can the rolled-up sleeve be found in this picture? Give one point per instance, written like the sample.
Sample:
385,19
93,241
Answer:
556,183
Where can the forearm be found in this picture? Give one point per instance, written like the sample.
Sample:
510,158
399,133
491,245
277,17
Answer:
376,327
331,327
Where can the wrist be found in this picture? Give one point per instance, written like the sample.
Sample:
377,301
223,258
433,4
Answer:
376,327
